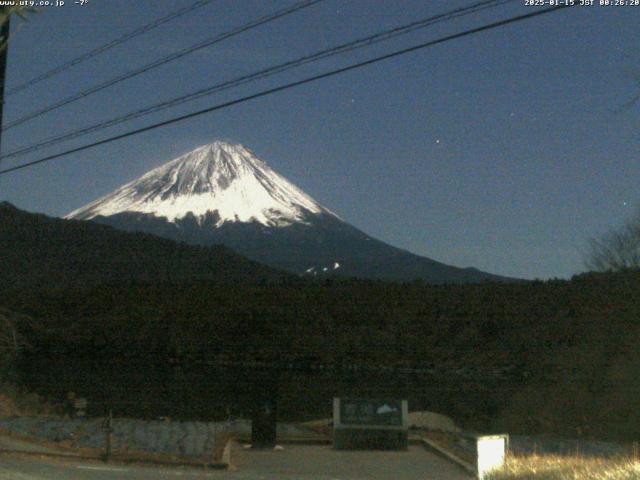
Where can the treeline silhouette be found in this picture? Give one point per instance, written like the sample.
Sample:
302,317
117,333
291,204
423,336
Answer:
536,357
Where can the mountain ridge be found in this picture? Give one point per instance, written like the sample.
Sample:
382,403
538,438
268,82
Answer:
37,251
222,193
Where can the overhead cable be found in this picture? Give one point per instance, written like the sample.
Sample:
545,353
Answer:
290,85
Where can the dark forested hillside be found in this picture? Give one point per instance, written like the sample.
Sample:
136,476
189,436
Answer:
543,357
316,247
37,251
536,357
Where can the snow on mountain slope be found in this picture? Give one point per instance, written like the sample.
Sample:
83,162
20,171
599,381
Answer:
221,177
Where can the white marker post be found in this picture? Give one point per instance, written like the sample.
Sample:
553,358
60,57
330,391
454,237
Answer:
491,453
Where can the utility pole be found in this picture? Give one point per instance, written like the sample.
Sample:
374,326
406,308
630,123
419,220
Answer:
4,43
264,408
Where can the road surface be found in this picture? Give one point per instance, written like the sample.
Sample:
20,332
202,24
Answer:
23,468
294,462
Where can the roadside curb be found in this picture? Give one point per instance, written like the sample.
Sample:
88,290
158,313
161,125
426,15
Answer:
35,443
218,462
293,441
125,460
454,458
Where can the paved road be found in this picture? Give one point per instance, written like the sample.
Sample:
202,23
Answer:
304,462
294,462
23,468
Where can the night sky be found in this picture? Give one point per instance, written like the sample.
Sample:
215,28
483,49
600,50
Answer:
505,151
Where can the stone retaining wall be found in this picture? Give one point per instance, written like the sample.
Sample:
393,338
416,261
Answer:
188,439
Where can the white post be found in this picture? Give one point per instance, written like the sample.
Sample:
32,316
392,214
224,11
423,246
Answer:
491,453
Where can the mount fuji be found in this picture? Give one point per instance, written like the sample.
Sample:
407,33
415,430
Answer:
222,193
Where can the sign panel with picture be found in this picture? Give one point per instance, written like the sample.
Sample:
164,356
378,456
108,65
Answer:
371,424
370,412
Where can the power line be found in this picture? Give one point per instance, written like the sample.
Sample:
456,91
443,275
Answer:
108,46
164,60
261,74
287,86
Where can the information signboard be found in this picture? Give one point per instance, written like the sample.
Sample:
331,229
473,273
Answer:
362,423
370,412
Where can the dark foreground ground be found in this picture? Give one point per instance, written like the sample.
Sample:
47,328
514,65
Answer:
322,462
293,462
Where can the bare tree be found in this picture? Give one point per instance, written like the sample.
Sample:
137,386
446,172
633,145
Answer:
619,249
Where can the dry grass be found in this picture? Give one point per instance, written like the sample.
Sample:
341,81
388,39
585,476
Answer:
554,467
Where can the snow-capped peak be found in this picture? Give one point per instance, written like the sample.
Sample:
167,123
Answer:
220,177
